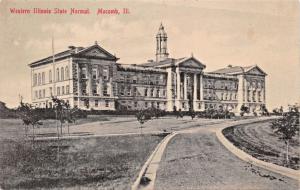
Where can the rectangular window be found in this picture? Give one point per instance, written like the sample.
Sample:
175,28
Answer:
105,91
157,93
106,73
44,93
36,94
158,105
135,91
84,91
40,94
50,91
35,79
50,76
122,90
58,91
43,77
94,73
146,104
128,91
67,89
83,73
146,92
95,91
134,79
157,80
135,104
96,103
106,103
62,90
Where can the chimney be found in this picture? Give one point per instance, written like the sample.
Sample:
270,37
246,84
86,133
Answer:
71,47
229,66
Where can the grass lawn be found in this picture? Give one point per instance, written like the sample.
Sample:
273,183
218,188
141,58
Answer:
103,162
258,140
14,128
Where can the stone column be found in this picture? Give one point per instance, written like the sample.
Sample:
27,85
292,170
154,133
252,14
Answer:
195,92
241,93
184,87
178,88
178,83
169,90
201,86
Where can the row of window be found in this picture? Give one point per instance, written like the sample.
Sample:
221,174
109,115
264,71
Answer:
61,75
95,74
60,90
255,84
126,91
223,85
147,104
254,96
228,96
145,79
105,90
86,103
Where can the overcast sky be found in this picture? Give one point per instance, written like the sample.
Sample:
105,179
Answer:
218,33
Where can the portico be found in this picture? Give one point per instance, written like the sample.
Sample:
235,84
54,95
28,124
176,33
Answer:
187,85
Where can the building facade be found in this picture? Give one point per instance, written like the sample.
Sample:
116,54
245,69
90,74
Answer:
91,78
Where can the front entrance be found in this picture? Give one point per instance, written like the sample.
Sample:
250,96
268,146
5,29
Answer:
190,101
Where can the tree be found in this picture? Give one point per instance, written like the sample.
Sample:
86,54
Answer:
143,116
286,128
29,117
64,113
244,109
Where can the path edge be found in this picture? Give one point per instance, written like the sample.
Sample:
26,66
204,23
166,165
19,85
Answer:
147,163
250,159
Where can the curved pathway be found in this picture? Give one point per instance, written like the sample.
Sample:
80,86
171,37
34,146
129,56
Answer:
195,159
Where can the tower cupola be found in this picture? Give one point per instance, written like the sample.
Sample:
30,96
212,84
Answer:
161,44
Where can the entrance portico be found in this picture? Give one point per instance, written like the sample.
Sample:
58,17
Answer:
186,85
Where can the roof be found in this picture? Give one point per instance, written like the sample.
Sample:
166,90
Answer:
161,31
161,63
72,51
221,76
133,67
232,70
171,62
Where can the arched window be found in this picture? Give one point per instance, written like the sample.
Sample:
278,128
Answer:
50,76
39,79
67,72
57,74
43,77
62,74
35,79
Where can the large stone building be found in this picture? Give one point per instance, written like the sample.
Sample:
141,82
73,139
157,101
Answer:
91,78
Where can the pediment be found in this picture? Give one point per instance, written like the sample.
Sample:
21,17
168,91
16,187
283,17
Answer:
256,71
95,53
98,52
191,63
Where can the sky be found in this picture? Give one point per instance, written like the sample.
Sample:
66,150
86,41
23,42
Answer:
216,32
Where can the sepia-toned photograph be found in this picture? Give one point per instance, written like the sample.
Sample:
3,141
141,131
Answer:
150,94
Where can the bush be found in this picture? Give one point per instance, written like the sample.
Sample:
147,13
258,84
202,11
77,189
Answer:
215,114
